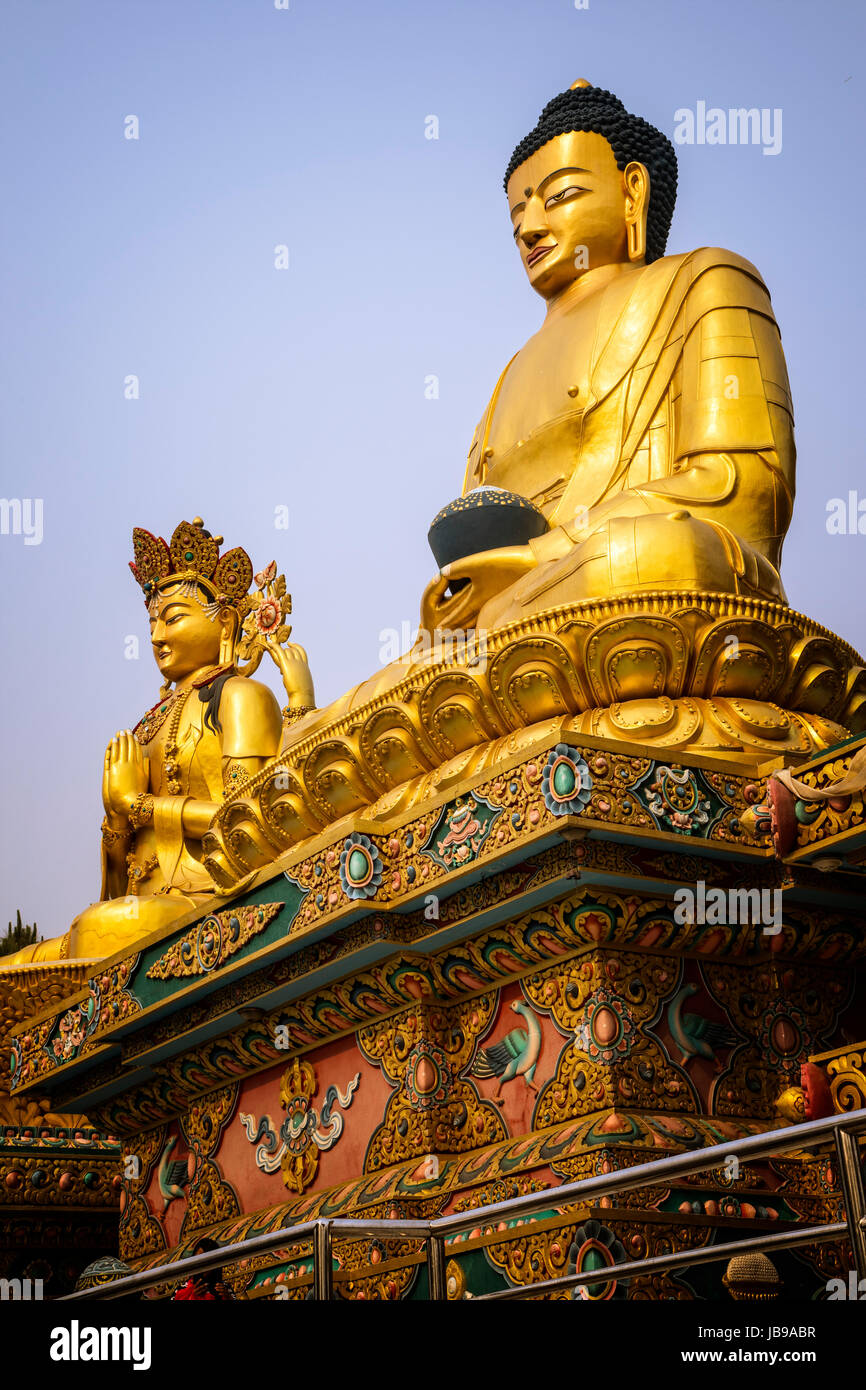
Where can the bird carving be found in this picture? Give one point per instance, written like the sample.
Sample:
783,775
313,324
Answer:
695,1035
514,1055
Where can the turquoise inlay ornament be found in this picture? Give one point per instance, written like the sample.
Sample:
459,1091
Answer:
566,784
596,1247
564,778
360,867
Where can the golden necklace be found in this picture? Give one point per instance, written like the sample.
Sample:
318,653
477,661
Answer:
149,723
171,708
172,767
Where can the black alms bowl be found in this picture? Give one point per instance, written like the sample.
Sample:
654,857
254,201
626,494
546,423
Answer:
485,519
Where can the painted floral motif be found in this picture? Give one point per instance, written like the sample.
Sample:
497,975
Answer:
305,1132
676,799
428,1076
212,941
608,1029
72,1030
360,866
460,831
786,1037
566,784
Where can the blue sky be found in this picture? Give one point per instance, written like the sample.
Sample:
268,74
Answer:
262,388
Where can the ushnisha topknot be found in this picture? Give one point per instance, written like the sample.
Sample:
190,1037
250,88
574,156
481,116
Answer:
598,112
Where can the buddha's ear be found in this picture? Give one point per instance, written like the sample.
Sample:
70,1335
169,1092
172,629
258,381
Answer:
636,181
228,620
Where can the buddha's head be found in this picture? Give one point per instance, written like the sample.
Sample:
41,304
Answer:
196,599
590,186
189,631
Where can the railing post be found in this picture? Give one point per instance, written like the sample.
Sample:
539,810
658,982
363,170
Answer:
436,1267
848,1154
323,1273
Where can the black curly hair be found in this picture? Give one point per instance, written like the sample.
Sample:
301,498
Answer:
598,112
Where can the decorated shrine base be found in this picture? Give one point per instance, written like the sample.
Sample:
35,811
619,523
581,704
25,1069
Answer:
493,995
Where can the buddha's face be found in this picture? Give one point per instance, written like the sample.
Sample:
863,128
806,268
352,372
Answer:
568,205
183,637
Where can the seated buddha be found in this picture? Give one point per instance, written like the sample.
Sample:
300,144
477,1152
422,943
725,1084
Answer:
211,730
648,420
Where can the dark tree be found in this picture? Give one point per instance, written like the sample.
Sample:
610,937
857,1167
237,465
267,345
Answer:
17,936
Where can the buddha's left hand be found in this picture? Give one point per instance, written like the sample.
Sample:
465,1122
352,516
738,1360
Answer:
127,775
476,579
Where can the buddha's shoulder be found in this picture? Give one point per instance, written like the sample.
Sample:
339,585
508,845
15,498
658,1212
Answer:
697,264
242,694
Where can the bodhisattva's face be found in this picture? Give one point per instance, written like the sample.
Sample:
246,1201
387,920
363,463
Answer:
183,637
568,205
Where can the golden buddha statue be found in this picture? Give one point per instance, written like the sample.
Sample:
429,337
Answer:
211,730
649,419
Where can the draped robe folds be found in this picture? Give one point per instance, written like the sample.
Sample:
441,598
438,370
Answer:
689,369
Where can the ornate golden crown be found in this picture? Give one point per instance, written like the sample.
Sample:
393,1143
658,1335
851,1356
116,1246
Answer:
192,556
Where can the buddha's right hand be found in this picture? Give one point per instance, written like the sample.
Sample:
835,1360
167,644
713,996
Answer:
473,582
126,774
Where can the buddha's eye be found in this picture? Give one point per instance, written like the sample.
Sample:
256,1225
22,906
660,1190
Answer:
516,232
563,194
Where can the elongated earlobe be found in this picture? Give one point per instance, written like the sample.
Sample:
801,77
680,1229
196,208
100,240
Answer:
228,638
636,240
637,186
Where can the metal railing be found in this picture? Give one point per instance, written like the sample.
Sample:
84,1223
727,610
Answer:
321,1232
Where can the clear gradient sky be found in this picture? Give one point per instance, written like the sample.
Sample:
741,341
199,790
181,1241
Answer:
262,388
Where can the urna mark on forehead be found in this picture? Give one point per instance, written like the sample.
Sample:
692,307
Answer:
582,153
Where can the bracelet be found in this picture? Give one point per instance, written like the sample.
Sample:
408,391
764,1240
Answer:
291,716
141,811
112,837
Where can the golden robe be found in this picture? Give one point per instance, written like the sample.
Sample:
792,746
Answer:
681,406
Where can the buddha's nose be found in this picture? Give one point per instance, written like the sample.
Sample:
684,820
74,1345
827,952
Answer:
533,225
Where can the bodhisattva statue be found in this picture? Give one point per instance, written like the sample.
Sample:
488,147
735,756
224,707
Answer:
210,731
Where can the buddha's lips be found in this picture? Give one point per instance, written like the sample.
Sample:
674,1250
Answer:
537,252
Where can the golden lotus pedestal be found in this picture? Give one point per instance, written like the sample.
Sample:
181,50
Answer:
416,997
740,679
